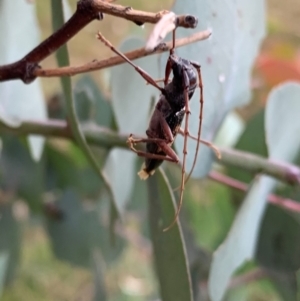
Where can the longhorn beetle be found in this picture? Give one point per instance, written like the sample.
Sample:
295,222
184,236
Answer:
165,123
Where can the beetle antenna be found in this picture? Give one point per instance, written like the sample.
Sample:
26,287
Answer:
143,73
197,66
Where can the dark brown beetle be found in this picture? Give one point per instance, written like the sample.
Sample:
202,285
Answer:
168,115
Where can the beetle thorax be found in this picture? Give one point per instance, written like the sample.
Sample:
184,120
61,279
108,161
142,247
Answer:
184,74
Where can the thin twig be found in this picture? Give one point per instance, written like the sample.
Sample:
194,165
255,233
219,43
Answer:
284,203
117,60
281,170
87,11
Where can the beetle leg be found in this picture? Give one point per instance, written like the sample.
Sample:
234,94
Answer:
163,143
205,142
170,154
169,138
159,80
143,73
142,140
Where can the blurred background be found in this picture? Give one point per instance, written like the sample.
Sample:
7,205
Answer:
129,275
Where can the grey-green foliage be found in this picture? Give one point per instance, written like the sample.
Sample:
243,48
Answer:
10,244
81,235
283,144
169,247
81,231
19,101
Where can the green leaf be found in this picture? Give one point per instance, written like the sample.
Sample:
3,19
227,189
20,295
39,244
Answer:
99,279
282,121
199,260
64,170
252,140
10,242
209,207
19,173
91,105
262,289
120,170
169,248
19,101
4,259
226,60
61,170
230,131
75,236
139,195
278,247
239,246
283,143
279,241
286,285
70,235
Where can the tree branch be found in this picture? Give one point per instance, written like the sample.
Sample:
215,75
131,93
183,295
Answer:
284,203
87,11
95,135
117,60
104,137
280,170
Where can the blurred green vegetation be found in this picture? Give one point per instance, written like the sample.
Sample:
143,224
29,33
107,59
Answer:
208,206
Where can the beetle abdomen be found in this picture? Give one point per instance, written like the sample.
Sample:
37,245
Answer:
148,168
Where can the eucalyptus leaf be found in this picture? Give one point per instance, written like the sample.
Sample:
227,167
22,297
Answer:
230,131
282,121
4,259
70,235
209,206
279,241
80,231
20,174
252,140
283,144
91,104
169,247
240,244
10,243
64,169
286,285
120,170
19,101
67,10
99,279
226,60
